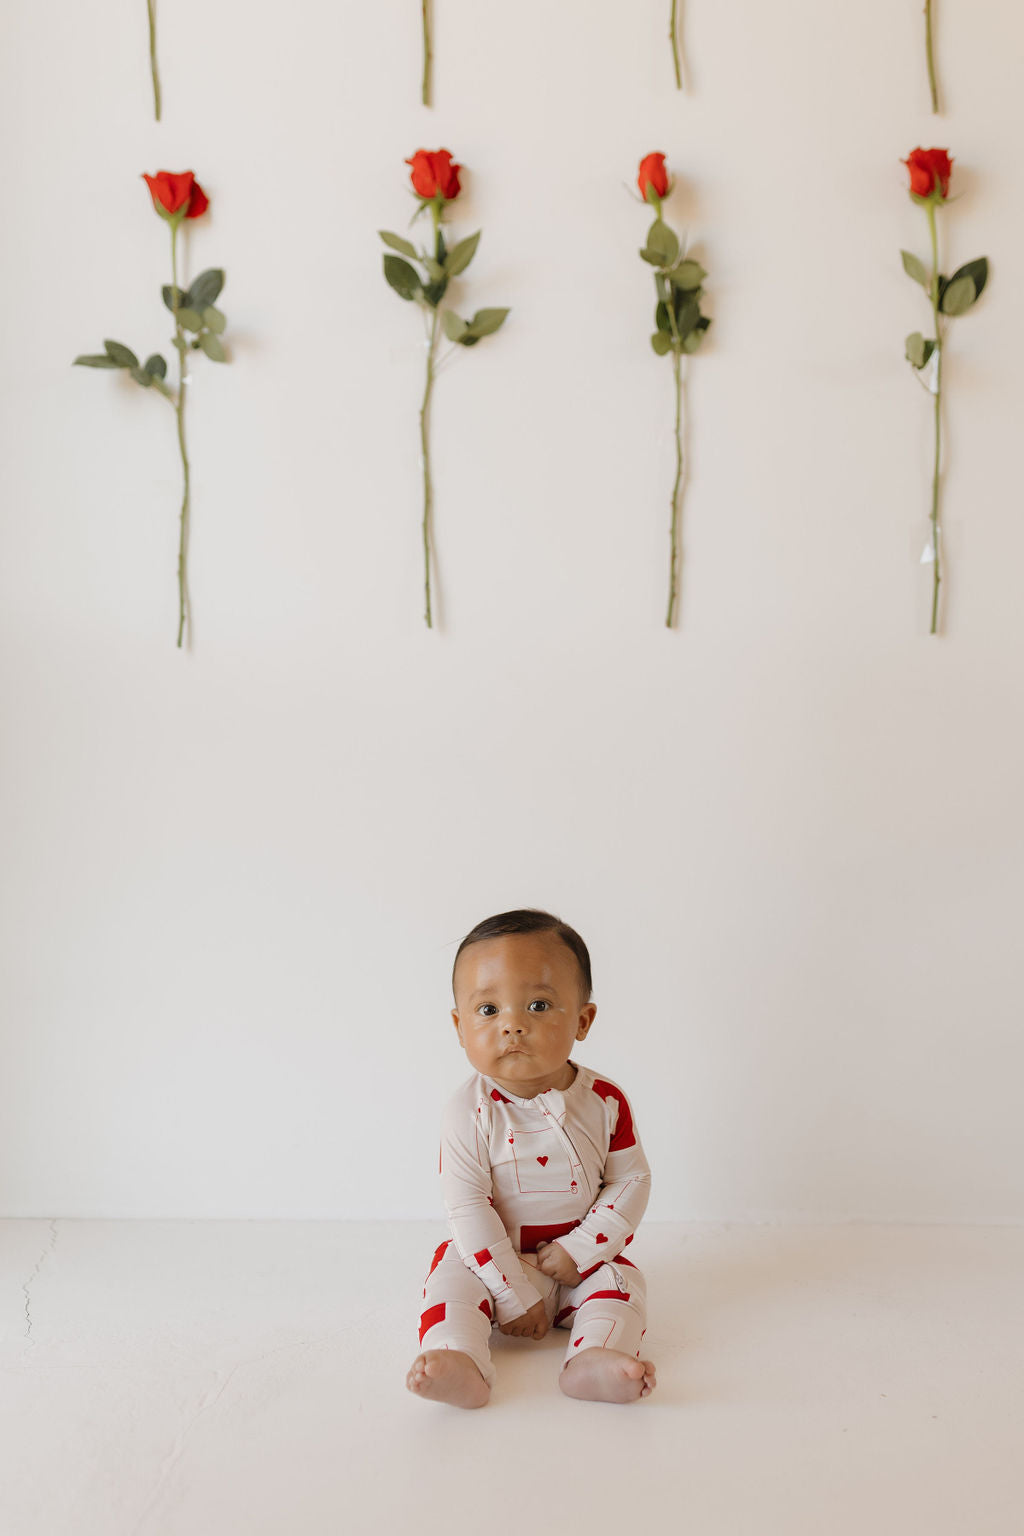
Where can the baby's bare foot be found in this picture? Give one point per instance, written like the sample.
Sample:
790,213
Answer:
607,1376
448,1376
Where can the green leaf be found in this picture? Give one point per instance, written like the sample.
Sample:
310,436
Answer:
688,275
661,343
462,254
434,270
213,347
661,318
402,278
142,377
486,321
190,319
205,289
662,248
433,293
696,336
398,244
95,360
918,350
915,268
168,294
687,312
214,320
454,327
978,270
123,356
959,295
155,366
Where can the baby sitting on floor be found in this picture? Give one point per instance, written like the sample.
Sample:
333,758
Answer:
543,1177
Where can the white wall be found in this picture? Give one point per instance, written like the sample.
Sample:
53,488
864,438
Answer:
791,832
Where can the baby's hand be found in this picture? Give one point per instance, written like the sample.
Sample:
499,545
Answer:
555,1262
532,1324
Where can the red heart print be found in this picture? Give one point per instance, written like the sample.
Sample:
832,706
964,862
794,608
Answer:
511,1140
542,1161
577,1342
600,1238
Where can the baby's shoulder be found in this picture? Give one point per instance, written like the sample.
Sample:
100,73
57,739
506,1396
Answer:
599,1083
600,1095
468,1101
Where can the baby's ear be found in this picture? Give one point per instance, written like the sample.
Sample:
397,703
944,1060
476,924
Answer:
585,1020
455,1021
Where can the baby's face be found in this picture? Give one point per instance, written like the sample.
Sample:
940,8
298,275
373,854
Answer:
518,1010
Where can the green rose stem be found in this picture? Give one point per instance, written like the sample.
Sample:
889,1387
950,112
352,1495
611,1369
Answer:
931,61
938,411
428,490
665,295
428,497
673,38
152,57
426,52
179,405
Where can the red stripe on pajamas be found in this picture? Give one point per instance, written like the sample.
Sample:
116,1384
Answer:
605,1296
438,1256
624,1135
561,1317
529,1237
431,1316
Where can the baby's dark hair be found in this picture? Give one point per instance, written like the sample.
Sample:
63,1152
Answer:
531,920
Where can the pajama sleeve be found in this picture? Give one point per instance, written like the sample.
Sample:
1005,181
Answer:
477,1230
625,1189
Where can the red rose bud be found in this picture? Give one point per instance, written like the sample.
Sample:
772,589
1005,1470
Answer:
434,174
176,194
653,177
929,172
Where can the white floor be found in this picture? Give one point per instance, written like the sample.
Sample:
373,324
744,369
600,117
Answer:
214,1378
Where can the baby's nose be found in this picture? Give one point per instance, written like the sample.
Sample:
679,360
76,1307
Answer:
510,1027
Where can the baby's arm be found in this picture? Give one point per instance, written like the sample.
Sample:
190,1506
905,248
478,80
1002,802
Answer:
477,1230
620,1202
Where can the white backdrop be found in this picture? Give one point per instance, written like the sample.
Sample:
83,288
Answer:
233,880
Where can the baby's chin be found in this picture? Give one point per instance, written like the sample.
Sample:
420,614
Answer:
523,1071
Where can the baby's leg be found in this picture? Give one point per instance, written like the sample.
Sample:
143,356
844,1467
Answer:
455,1326
606,1317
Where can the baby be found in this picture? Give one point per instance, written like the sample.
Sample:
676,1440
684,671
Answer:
543,1177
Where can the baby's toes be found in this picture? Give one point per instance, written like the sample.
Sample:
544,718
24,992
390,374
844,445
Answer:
417,1374
650,1378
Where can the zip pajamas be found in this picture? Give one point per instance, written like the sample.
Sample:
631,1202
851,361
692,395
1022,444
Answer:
563,1167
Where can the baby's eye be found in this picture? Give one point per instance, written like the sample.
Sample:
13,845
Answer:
539,1005
488,1010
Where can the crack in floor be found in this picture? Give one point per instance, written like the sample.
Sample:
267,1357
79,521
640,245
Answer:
51,1245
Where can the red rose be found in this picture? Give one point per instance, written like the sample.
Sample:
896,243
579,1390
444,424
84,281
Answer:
171,192
435,174
654,175
929,171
